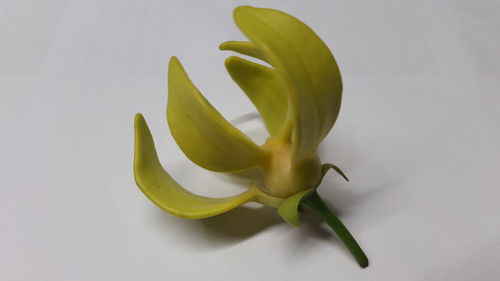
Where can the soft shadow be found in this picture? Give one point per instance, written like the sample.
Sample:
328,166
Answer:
356,206
314,228
224,230
241,223
358,210
342,151
363,209
343,200
244,178
245,118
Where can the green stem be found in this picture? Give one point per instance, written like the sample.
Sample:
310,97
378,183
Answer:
314,202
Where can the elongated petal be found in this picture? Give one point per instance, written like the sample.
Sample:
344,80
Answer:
262,86
244,48
288,209
305,64
201,132
167,194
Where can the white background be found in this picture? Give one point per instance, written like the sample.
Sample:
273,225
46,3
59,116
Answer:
418,135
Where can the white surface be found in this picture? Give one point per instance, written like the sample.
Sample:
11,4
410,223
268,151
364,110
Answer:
418,135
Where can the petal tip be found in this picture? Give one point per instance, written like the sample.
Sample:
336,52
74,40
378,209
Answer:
232,60
139,123
174,61
224,46
242,9
138,117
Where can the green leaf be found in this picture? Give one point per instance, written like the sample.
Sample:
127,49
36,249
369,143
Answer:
306,66
165,192
262,86
288,209
202,133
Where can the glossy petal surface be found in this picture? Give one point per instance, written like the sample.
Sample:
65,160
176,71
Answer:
305,64
264,88
164,191
201,132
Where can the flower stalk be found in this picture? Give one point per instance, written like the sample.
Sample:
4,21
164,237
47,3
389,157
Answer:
315,202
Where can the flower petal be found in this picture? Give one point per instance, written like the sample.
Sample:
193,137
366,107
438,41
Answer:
262,86
305,64
288,209
202,133
167,194
244,48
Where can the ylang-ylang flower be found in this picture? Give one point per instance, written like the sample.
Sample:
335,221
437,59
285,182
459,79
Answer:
298,98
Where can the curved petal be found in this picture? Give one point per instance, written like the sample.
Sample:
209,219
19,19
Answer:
244,48
262,86
289,208
167,194
202,133
307,67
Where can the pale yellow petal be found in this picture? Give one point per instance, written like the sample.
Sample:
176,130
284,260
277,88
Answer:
263,87
202,133
165,192
305,64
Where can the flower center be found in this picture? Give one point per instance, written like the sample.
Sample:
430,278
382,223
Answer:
284,178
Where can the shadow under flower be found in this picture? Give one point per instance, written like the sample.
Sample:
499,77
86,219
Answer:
224,230
229,229
241,223
236,226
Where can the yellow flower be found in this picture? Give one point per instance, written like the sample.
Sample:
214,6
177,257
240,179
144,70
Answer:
299,100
